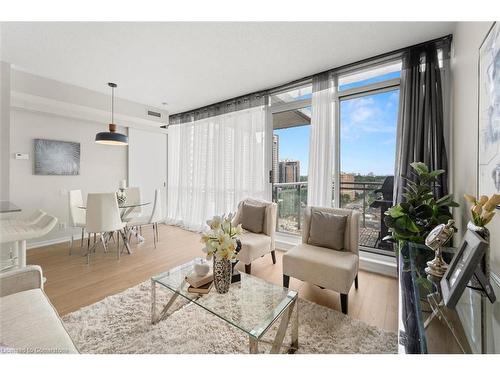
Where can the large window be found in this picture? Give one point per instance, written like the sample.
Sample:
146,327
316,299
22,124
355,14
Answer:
368,112
366,120
367,157
290,154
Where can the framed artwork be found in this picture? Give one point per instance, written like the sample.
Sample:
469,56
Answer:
462,267
489,113
489,132
57,157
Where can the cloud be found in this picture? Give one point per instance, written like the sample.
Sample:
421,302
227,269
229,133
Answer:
365,115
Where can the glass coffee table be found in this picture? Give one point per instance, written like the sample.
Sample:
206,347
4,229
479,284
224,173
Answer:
251,305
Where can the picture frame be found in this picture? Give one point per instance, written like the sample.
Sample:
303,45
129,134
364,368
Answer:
462,268
489,113
488,143
56,158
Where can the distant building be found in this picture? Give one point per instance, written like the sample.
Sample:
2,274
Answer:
289,171
276,154
346,182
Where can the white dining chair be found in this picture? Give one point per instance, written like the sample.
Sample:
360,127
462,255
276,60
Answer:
103,217
133,196
76,215
153,219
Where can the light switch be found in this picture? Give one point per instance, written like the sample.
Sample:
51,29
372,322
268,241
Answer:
21,156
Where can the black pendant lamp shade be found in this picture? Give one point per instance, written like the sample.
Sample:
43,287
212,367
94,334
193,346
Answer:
112,137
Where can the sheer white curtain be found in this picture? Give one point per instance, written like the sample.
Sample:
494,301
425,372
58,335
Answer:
213,164
322,142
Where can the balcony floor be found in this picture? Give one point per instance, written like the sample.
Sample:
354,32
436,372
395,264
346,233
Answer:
368,237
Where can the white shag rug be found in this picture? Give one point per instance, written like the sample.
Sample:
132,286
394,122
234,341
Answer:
121,324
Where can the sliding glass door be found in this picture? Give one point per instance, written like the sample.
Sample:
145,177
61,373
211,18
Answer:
367,158
290,155
367,121
366,106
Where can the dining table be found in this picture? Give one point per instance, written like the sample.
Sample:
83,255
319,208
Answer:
125,211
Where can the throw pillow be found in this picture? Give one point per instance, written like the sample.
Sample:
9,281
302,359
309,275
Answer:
327,230
252,217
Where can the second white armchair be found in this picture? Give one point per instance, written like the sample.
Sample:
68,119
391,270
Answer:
258,219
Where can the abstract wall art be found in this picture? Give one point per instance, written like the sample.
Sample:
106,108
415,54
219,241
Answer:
56,157
489,113
489,132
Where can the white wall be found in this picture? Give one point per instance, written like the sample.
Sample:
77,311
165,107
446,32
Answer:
44,108
4,129
101,166
467,38
147,165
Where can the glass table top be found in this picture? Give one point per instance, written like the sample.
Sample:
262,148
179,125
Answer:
416,287
252,305
477,317
124,205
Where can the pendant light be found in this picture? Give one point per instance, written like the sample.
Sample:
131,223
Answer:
112,137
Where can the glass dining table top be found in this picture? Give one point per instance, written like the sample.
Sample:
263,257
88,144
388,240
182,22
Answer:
125,205
252,305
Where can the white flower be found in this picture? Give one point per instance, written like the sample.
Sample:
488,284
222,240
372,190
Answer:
221,240
226,226
238,230
215,223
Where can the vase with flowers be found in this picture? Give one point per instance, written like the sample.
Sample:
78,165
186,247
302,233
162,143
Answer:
482,212
222,244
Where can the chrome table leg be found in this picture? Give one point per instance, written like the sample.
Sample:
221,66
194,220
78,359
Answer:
280,335
295,329
153,301
254,345
164,312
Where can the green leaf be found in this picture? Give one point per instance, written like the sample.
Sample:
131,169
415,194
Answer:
443,201
420,168
406,223
396,211
424,211
436,173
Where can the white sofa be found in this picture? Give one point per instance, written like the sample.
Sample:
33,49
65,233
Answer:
28,321
256,245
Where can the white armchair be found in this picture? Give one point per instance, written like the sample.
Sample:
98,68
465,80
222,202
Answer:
256,245
323,266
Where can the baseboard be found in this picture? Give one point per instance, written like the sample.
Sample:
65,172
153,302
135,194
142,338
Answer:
376,263
53,241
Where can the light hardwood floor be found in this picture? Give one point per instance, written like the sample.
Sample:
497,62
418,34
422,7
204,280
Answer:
72,284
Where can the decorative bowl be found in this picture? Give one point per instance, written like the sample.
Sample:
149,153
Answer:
201,268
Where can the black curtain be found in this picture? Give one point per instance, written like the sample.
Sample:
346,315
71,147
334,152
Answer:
421,125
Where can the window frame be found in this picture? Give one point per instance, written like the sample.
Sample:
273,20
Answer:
338,96
358,92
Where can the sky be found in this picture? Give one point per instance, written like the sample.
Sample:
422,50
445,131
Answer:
368,133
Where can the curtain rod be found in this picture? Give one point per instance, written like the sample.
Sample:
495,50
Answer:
448,37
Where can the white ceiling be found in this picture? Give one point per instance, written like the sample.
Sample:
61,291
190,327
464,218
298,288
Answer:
190,65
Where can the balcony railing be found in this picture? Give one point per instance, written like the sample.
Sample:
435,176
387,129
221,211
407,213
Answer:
357,195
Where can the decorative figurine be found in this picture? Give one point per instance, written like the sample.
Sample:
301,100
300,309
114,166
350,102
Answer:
436,240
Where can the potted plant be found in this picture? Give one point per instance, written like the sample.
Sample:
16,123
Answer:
222,244
413,219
